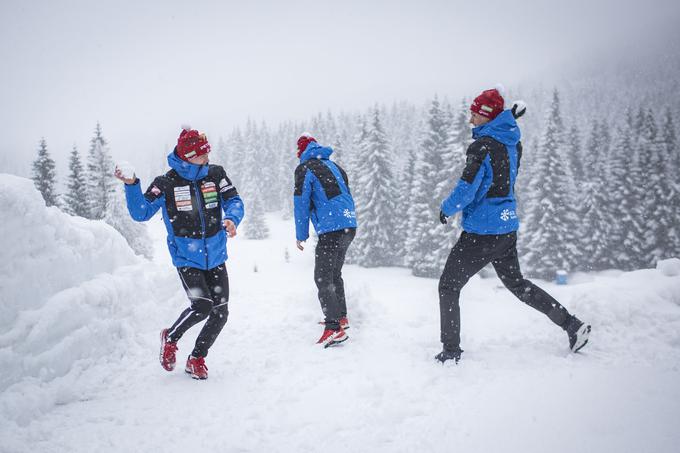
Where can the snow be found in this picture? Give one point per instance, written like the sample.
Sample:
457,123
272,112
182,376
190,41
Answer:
126,168
80,367
669,267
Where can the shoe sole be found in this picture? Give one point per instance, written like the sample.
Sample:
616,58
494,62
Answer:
335,342
581,338
160,357
193,376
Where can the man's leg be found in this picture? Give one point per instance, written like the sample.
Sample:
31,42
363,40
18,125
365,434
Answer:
507,268
326,258
217,280
339,283
196,288
467,257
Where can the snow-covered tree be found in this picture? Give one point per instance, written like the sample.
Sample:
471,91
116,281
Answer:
100,179
433,180
376,242
255,222
553,216
44,174
135,233
75,199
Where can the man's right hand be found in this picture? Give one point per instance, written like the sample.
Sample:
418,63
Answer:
442,218
119,174
299,245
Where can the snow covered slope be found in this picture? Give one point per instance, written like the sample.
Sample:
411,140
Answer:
270,389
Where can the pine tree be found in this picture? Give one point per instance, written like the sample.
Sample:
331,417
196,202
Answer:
135,233
672,164
658,216
626,232
44,174
75,199
100,181
376,242
256,223
553,217
431,177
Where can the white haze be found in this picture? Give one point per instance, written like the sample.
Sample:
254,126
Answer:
144,68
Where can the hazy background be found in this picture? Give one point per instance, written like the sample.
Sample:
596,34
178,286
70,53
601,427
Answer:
144,68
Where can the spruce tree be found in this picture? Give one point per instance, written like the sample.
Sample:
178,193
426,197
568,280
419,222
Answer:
432,179
553,216
255,222
135,233
376,242
100,181
672,166
44,174
75,199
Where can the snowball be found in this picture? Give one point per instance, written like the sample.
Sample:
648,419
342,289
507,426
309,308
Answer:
501,90
126,169
669,267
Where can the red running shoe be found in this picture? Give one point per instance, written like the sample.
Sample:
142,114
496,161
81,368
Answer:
196,367
332,337
168,350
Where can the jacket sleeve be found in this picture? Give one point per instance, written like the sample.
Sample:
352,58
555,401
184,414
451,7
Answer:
466,189
143,206
232,204
302,202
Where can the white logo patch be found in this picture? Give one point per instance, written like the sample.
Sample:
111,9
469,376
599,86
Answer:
507,214
183,198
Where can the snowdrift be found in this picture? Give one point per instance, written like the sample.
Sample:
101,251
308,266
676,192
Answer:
67,291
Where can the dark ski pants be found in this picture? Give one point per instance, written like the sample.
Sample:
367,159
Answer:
470,254
329,259
208,292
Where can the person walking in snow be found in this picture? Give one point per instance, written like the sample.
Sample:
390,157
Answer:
322,194
485,194
201,207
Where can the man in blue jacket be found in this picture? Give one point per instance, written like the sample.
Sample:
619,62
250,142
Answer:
200,208
486,196
322,195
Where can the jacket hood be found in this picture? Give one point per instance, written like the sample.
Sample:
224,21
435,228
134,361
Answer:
503,128
316,151
187,170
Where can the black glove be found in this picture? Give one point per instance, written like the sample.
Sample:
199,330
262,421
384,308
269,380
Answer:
519,108
442,218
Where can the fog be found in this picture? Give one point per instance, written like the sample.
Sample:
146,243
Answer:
144,68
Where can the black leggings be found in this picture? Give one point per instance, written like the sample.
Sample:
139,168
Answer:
470,254
208,292
329,258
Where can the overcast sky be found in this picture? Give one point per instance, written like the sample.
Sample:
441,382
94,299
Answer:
142,68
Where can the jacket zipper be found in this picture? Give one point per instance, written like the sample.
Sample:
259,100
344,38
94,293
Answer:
199,200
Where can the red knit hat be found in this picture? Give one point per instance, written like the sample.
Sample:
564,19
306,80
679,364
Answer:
191,143
303,141
489,104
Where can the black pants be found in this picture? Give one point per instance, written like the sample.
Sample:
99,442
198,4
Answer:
329,259
208,292
470,254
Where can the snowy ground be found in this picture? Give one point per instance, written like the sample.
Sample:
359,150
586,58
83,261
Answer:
80,369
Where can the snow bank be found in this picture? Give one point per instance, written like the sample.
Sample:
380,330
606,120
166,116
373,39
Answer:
68,288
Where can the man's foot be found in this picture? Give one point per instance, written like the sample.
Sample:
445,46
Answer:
332,337
578,333
168,350
449,355
196,367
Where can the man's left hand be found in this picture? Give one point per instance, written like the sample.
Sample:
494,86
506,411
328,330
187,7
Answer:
230,227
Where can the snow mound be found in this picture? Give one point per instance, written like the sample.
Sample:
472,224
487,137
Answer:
69,292
669,267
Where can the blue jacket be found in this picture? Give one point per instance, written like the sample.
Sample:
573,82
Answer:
195,200
321,194
486,190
